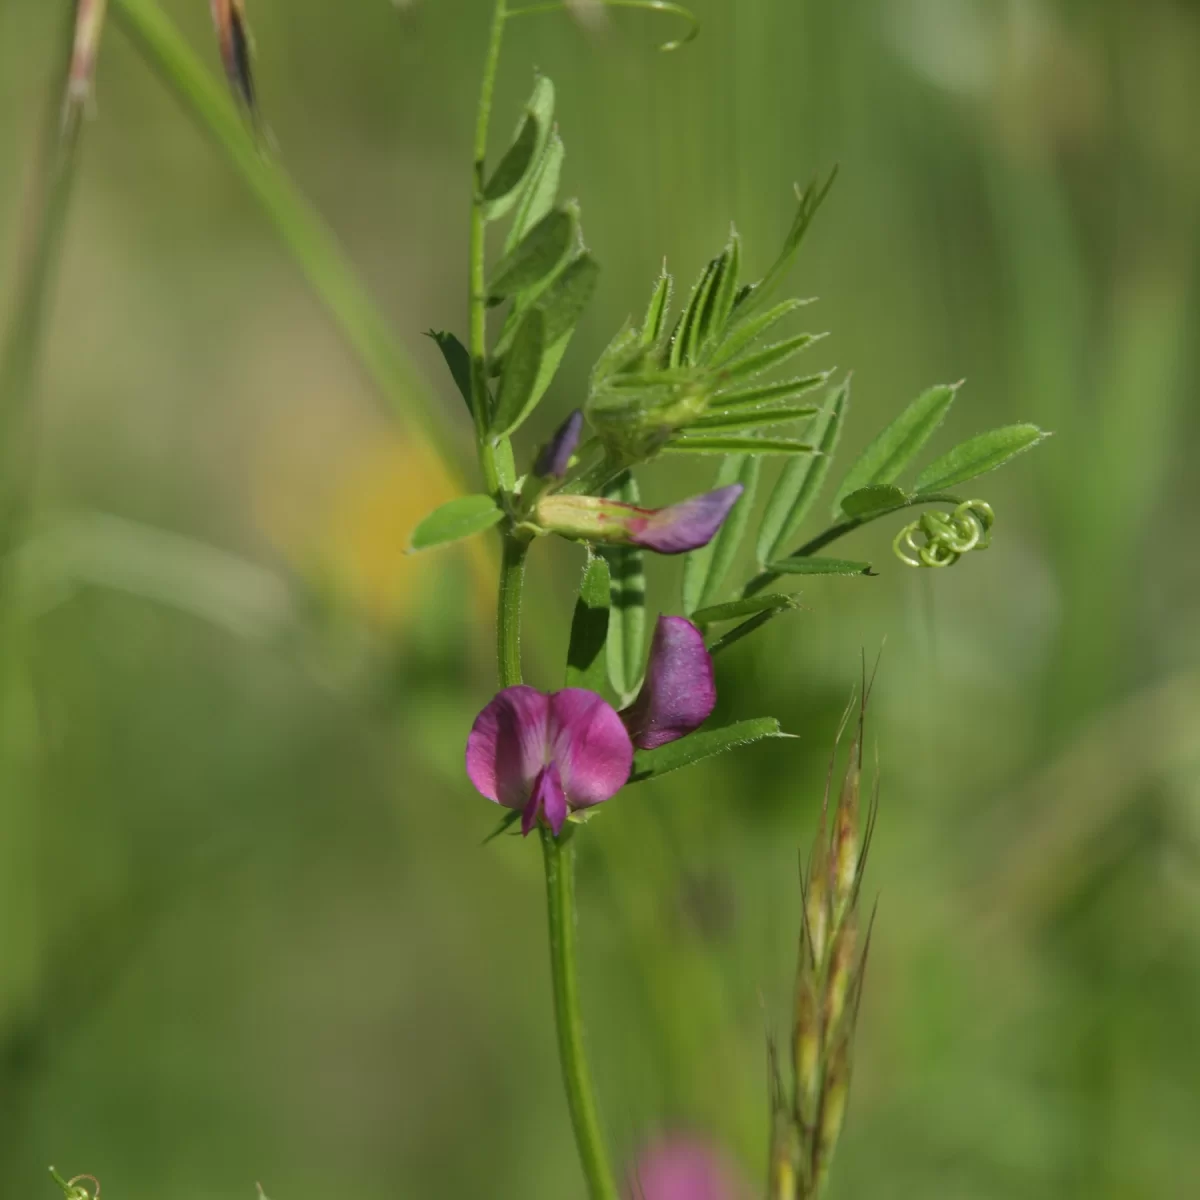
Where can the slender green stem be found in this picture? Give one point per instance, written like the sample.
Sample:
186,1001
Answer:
558,852
508,615
835,532
478,252
302,230
559,855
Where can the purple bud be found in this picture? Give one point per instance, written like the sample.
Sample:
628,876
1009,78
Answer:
689,524
672,530
680,1168
678,694
555,456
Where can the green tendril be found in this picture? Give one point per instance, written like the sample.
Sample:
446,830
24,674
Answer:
946,536
659,6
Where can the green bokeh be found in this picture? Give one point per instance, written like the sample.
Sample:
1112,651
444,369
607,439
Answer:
247,930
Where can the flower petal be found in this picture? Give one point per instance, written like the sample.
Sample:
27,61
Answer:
555,456
689,524
508,745
679,1168
590,746
678,694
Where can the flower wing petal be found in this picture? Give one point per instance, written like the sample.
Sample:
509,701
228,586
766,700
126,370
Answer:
590,746
678,694
508,745
689,524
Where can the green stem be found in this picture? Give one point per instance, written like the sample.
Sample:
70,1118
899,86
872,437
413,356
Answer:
558,852
508,615
302,230
559,855
835,532
478,252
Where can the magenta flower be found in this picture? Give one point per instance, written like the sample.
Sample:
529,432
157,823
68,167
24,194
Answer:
678,693
681,1168
547,755
680,527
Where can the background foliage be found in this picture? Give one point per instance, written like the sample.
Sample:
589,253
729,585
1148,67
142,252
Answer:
246,928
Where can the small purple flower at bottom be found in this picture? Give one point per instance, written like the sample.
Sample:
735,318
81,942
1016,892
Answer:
548,755
683,1168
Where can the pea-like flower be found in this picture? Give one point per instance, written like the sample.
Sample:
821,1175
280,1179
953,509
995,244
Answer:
675,529
550,754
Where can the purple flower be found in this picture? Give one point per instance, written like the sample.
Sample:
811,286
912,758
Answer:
680,527
681,1168
555,456
678,693
547,755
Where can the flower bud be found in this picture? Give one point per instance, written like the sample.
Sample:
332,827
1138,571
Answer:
680,527
555,456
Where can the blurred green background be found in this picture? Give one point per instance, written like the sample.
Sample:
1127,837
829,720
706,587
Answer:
247,930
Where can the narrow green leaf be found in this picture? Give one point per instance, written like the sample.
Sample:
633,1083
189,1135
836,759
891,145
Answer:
656,312
502,191
537,255
458,360
456,519
505,823
762,395
627,617
686,444
811,200
979,455
801,481
820,566
746,332
522,368
725,291
766,359
586,665
892,451
563,303
539,193
651,764
734,610
684,335
745,629
506,466
877,498
733,422
705,568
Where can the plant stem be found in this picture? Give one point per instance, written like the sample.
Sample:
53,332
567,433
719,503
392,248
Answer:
559,855
828,536
478,251
311,242
558,852
508,615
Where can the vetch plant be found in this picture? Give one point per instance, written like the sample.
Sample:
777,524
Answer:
715,379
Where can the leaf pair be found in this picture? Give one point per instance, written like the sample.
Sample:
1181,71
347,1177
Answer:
870,488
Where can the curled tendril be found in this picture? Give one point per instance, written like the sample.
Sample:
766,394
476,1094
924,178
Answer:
947,536
660,6
73,1189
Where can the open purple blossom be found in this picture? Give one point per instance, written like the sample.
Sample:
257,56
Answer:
675,529
678,693
682,1168
555,456
548,754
